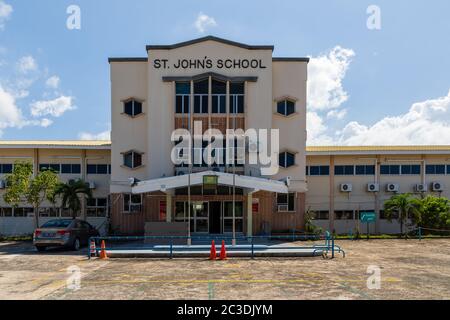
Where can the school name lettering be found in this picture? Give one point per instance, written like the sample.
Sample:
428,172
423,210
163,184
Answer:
208,63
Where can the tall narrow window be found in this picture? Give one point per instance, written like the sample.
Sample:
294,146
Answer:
237,97
183,91
219,96
201,89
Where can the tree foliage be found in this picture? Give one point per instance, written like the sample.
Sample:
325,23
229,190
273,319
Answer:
23,187
434,213
70,194
401,206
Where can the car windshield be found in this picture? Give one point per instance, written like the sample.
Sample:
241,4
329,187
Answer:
57,224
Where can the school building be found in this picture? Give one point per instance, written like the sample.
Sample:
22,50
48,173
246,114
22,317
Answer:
221,85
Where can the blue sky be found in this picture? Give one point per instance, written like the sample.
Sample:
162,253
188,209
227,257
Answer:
391,83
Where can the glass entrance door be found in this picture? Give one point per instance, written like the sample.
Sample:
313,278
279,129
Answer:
215,217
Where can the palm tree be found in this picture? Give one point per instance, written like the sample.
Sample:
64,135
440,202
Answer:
404,205
71,192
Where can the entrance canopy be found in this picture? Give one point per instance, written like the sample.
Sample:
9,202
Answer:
175,182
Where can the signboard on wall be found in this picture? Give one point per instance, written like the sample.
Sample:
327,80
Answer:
210,182
368,217
255,205
162,210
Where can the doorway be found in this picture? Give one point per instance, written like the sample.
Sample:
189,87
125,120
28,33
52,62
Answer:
215,217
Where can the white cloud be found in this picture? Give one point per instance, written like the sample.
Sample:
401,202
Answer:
105,135
337,114
53,82
46,122
10,114
203,22
326,72
5,13
426,122
317,130
55,108
27,64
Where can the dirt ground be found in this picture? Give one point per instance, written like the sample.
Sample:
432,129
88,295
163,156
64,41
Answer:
409,270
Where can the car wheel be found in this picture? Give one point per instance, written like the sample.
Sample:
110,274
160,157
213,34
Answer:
41,249
76,244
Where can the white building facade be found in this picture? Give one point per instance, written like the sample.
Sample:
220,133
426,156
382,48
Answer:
221,85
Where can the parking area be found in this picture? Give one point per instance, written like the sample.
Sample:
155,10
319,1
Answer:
410,269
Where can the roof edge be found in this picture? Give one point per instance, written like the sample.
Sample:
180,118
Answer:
131,59
209,38
290,59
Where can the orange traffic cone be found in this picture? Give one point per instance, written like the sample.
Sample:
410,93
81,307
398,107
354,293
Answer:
213,253
223,251
103,251
93,251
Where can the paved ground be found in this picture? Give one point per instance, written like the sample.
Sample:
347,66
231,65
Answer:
409,270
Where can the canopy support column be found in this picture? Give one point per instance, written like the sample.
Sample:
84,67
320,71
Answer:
250,214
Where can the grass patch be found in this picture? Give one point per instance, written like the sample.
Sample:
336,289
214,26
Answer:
16,238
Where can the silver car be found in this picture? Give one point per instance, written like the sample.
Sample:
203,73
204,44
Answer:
72,233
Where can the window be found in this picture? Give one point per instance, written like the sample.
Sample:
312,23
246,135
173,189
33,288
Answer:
390,169
343,215
132,159
23,212
132,203
54,167
219,97
321,215
286,201
49,212
344,170
97,207
319,170
228,216
236,98
435,169
6,168
183,91
286,107
286,159
132,107
6,212
201,89
410,169
98,169
367,170
70,168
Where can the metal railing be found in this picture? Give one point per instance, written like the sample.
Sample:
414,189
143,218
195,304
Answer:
251,245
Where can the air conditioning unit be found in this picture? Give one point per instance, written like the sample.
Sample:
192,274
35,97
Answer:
283,208
2,184
437,187
373,187
346,187
392,187
420,187
92,185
